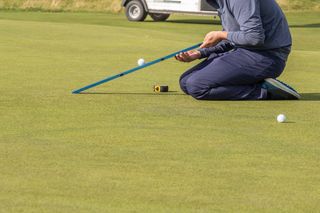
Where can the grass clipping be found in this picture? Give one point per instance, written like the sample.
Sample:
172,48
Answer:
115,5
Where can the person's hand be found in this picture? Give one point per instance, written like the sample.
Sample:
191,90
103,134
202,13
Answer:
213,38
188,56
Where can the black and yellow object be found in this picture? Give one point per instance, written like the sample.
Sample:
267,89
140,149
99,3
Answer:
160,88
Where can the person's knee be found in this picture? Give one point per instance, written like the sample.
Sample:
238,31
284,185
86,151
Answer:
196,88
182,82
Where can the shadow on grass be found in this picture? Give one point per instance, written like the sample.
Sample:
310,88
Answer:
304,96
192,21
131,93
310,96
196,21
218,22
314,25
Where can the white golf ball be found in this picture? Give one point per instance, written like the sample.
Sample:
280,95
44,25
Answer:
281,118
141,62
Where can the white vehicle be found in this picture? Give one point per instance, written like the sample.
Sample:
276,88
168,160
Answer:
160,10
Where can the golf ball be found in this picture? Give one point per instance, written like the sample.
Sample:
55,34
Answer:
281,118
141,62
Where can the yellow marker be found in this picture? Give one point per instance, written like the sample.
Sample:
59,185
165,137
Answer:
160,88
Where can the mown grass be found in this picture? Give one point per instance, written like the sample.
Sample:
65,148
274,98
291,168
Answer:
115,5
123,148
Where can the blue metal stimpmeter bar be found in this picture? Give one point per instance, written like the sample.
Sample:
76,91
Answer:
105,80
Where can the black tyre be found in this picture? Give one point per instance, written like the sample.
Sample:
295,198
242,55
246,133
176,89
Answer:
135,11
159,16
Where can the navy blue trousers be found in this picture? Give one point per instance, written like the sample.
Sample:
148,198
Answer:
234,75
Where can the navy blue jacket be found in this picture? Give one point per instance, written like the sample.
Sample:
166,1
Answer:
252,24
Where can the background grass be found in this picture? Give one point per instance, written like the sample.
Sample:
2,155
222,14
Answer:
63,5
123,148
300,4
115,5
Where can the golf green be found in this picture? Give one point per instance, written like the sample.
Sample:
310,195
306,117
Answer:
123,148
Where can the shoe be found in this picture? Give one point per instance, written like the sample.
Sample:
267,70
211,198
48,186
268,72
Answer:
278,90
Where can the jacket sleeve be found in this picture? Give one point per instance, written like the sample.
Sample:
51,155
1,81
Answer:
222,47
247,14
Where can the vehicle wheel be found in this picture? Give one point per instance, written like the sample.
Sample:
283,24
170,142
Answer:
135,11
159,16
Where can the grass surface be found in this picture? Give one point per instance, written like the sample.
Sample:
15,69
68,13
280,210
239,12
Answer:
63,5
123,148
115,5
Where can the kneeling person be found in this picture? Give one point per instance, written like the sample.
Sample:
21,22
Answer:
244,60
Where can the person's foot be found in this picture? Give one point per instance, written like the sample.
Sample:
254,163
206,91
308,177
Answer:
277,90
